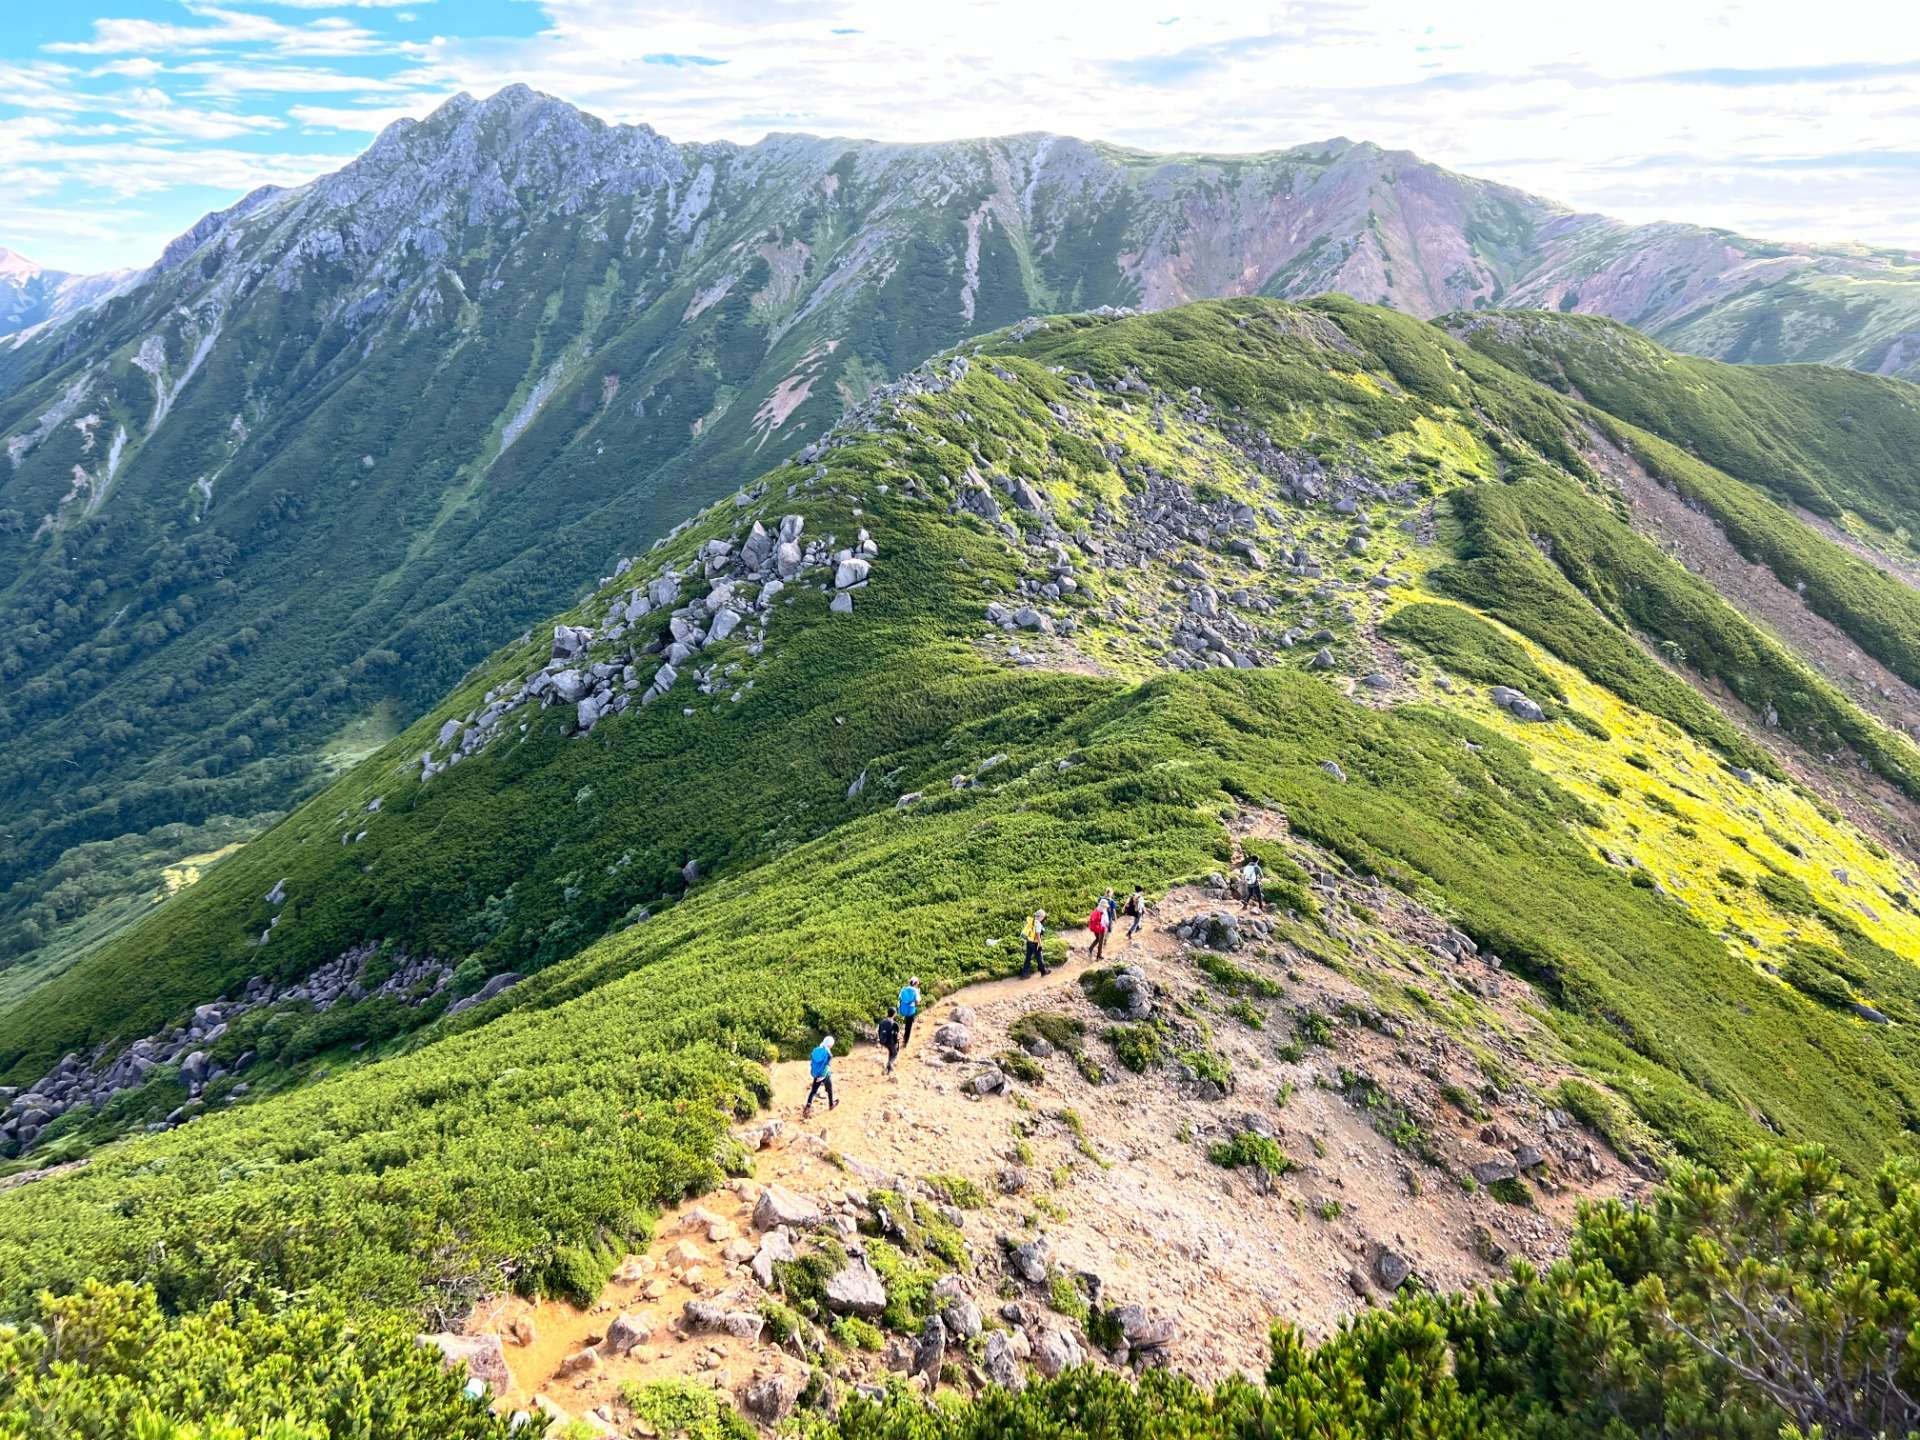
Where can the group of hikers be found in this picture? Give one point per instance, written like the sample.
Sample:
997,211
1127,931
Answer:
1102,920
894,1029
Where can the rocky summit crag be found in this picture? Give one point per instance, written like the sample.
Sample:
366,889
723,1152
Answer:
261,507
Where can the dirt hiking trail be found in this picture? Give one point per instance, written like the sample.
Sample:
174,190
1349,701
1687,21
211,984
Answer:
1384,1118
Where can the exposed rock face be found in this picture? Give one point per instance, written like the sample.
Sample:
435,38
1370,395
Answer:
78,1082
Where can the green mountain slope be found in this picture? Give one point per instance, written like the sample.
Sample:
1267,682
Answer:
873,775
1041,617
289,487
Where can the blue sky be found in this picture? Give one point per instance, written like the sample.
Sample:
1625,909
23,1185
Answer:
122,121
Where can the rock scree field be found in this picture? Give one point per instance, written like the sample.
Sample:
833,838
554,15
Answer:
1565,1086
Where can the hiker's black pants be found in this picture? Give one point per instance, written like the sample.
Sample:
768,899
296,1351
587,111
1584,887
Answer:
821,1082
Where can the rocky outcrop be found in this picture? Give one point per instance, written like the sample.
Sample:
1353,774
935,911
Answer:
79,1082
678,623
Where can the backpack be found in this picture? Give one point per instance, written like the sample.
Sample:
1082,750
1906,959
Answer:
1133,905
1097,921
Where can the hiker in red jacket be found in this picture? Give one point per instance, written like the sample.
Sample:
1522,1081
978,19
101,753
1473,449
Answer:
1098,923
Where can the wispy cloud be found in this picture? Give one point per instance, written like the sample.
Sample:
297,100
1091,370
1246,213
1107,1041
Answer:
1735,77
221,28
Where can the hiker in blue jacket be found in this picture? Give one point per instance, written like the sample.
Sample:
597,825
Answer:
909,1007
822,1067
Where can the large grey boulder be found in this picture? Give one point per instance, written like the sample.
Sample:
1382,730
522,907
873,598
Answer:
1029,1261
775,1248
725,621
1002,1364
956,1307
856,1289
571,686
779,1206
931,1351
851,572
1516,704
1390,1268
1143,1331
1055,1351
1494,1171
786,560
713,1317
627,1331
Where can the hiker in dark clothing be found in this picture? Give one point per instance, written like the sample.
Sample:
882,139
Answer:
1254,897
822,1070
1136,909
889,1028
908,1008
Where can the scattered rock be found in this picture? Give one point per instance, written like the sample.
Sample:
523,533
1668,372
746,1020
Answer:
483,1355
856,1289
778,1206
624,1333
769,1395
1390,1268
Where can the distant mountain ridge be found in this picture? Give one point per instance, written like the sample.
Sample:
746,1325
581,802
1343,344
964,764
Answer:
340,438
31,294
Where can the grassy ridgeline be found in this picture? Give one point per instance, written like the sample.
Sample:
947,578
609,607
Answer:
532,1143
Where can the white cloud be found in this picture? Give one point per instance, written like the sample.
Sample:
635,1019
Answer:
223,27
360,119
242,77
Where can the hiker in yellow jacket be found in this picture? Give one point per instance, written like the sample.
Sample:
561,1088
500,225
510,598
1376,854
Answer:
1035,932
